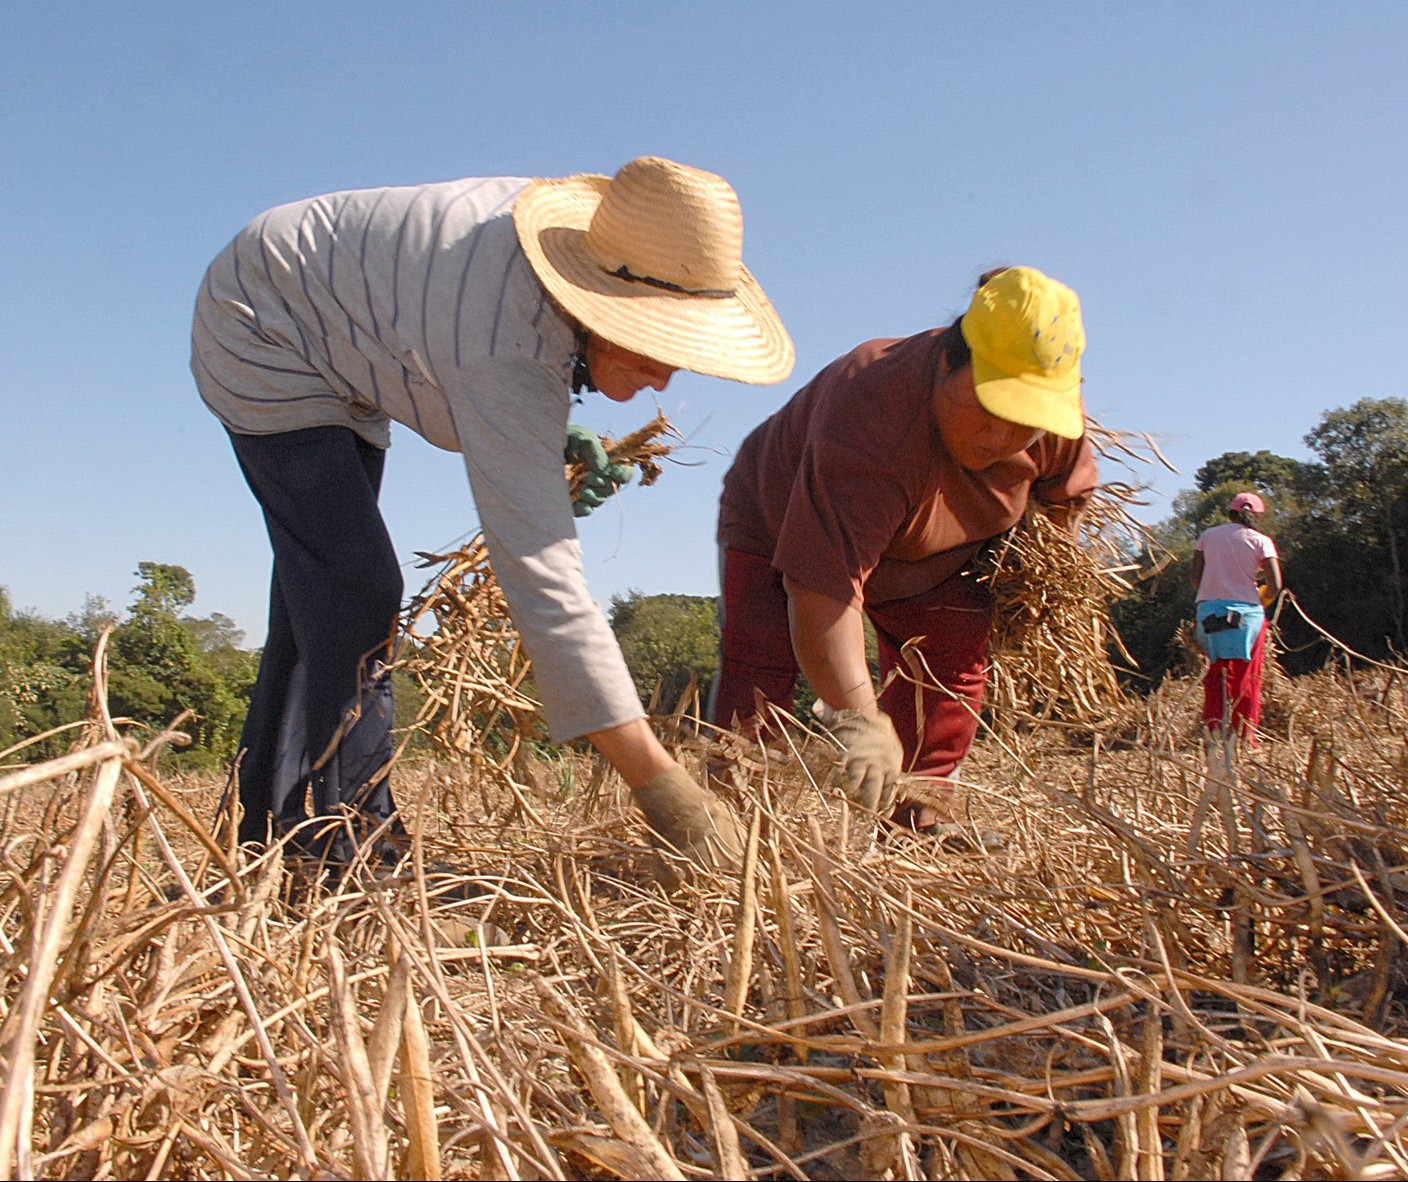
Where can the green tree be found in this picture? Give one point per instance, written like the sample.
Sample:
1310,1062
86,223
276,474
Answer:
163,591
164,663
1281,481
1361,515
43,679
1264,471
667,640
160,663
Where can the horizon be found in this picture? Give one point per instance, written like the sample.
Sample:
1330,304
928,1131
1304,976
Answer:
1222,186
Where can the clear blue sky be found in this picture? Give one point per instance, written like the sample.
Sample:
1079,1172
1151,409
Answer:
1224,185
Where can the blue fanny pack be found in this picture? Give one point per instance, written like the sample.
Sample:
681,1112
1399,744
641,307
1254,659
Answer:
1227,628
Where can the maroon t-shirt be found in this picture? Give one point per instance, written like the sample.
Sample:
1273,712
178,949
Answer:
851,492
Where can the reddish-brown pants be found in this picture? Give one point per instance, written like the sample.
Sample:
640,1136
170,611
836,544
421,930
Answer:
935,645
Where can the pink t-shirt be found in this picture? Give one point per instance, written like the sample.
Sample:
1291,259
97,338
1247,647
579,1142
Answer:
1231,555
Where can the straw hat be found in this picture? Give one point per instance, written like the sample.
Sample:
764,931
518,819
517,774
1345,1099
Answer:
652,260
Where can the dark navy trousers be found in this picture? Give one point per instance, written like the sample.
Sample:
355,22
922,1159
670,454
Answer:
318,729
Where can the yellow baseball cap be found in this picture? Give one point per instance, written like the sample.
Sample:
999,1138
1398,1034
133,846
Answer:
1025,333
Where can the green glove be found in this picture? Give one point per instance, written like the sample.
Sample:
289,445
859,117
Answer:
583,444
602,477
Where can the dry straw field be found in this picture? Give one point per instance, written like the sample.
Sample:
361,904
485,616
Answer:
1131,966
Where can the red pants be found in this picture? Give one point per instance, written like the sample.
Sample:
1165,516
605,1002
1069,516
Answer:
947,631
1232,692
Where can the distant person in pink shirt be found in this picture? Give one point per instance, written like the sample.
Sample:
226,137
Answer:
1236,572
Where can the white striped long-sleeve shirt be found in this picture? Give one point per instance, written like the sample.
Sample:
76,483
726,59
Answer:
416,304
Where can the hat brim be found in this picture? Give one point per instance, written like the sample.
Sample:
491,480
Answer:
1030,403
739,337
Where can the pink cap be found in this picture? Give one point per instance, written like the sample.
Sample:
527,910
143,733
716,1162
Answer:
1247,500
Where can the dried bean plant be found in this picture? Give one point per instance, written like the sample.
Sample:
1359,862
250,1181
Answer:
1168,971
1052,590
461,648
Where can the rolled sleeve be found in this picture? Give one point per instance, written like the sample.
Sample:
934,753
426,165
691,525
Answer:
1068,473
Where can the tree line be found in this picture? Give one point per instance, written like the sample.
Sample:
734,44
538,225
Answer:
1340,522
161,663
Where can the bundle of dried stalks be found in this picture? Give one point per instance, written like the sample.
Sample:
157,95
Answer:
1052,591
644,448
1161,975
460,646
466,656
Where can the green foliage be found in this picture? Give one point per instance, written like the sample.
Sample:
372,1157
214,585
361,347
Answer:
1356,527
1147,620
160,664
164,663
1283,483
1264,472
163,590
667,640
42,676
1340,524
1364,449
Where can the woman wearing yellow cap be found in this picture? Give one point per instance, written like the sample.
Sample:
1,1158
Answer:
868,494
468,312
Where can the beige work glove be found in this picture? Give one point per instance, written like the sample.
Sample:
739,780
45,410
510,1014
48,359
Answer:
871,755
684,817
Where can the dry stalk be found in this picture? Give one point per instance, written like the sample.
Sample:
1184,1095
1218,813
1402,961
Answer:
1052,591
1157,975
623,1116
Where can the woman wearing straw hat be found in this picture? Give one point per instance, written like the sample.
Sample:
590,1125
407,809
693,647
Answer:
868,495
468,311
1236,572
